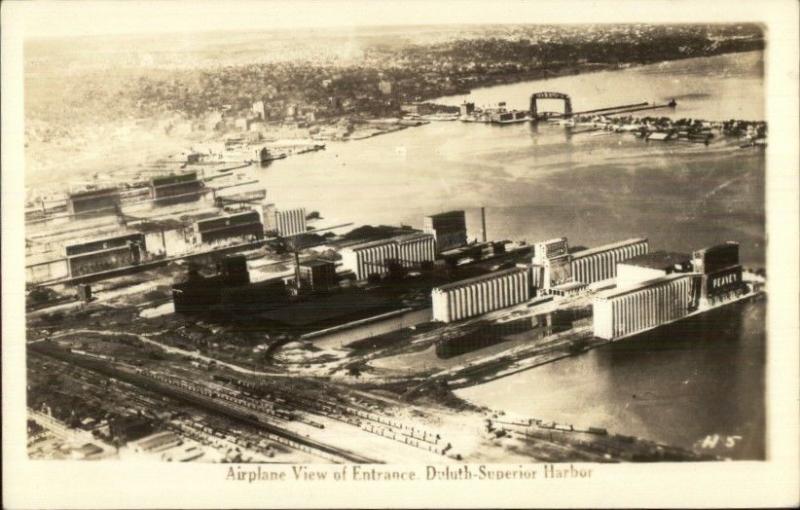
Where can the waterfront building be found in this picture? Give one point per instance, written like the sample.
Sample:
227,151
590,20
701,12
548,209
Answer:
167,237
284,223
449,229
629,310
172,189
385,86
244,225
410,108
102,200
260,110
98,255
369,258
377,257
290,222
713,258
229,291
551,263
316,274
600,263
652,265
479,295
720,269
414,249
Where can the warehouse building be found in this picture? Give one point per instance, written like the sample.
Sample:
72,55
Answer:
167,237
105,254
378,257
174,189
600,263
480,295
448,229
157,442
97,201
229,290
626,311
244,225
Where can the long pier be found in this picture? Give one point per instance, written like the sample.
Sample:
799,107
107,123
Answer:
568,113
615,110
597,110
641,108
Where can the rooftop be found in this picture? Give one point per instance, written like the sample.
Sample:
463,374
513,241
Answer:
93,192
228,214
480,278
411,237
401,238
620,291
148,225
658,260
445,214
122,234
607,247
553,240
570,286
155,440
368,244
721,246
316,262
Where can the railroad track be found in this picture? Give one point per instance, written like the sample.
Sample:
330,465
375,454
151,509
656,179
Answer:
293,440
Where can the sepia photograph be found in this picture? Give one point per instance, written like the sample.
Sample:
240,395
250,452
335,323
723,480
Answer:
290,245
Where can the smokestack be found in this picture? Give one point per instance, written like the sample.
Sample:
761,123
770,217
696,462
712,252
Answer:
297,269
483,223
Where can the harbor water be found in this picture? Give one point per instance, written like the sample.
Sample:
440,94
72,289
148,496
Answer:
540,181
697,383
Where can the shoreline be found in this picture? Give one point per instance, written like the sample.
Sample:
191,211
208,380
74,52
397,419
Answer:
599,68
399,123
559,352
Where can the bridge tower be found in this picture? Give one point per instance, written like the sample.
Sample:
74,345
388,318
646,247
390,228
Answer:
550,95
